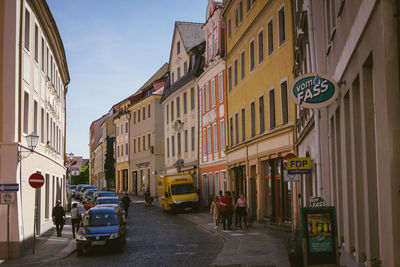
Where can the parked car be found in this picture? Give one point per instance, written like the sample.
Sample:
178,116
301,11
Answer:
83,189
71,189
101,226
108,201
88,194
96,195
78,190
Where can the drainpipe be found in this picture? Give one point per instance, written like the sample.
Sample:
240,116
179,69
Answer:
317,141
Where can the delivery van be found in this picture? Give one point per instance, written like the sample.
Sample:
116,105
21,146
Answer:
176,192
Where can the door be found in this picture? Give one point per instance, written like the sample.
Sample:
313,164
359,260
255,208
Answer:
253,198
211,187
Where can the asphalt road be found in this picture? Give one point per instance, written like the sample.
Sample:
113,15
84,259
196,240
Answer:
155,238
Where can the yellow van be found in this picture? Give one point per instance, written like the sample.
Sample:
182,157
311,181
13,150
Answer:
176,192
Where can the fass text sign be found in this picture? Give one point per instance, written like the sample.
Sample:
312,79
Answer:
314,90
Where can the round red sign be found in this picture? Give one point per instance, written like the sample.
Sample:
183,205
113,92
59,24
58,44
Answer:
288,156
36,180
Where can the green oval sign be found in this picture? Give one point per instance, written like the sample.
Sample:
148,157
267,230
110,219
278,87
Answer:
314,90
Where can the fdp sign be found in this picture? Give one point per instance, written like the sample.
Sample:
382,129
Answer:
314,90
299,165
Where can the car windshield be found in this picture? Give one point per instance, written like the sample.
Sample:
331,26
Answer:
108,194
182,189
87,187
107,201
72,187
103,219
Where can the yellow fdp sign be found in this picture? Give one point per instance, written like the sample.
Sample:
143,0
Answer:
299,163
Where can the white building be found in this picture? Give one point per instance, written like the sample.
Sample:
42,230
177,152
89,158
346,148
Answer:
33,85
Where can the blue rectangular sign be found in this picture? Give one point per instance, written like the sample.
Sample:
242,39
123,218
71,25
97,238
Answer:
9,187
300,171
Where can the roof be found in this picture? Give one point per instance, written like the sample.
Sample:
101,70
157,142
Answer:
191,33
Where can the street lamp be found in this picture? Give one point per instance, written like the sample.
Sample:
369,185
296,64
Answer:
70,163
32,141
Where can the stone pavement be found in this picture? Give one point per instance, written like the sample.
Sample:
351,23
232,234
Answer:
256,246
48,248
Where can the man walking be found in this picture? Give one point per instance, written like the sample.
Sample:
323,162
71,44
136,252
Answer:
59,218
226,208
126,200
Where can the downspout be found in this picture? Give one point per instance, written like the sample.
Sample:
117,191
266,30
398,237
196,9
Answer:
317,140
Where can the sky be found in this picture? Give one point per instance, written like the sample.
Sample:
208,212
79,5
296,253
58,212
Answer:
113,47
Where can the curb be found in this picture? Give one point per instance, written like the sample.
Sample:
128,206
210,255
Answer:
68,250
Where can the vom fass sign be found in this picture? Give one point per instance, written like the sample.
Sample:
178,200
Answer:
314,90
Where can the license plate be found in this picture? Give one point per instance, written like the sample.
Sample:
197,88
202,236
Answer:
97,243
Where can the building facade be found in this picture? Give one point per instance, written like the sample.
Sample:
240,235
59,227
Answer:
95,138
357,44
33,86
180,100
147,138
210,84
261,119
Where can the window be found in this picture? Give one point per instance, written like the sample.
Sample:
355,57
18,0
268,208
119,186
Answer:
281,21
134,145
138,115
26,112
231,130
243,124
144,142
240,11
47,126
235,72
122,129
260,47
36,43
209,139
167,107
126,127
253,118
230,78
203,94
178,47
27,29
222,133
117,151
261,109
186,140
126,149
185,68
122,150
42,55
173,145
213,92
237,128
229,28
144,113
148,141
330,19
248,5
251,55
220,88
178,107
236,17
172,111
192,137
284,99
47,60
215,133
179,73
207,96
148,111
204,142
35,116
42,125
242,66
270,37
179,144
168,147
271,109
192,98
173,78
138,144
184,103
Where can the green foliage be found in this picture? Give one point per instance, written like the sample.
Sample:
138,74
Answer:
83,177
109,167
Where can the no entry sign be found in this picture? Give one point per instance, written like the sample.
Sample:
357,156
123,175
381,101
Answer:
36,180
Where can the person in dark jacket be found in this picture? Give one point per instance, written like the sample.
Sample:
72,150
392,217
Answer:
58,215
126,200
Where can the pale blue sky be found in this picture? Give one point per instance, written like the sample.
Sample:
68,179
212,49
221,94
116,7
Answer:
113,47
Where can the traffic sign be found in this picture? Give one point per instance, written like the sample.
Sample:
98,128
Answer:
36,180
288,156
290,177
9,187
299,163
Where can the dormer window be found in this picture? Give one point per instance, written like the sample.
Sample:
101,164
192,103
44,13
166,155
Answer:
178,47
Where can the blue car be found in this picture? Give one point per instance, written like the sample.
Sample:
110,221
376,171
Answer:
101,227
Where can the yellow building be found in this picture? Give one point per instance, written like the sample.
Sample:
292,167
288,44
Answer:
260,116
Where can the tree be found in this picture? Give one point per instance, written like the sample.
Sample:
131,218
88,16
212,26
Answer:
109,167
83,177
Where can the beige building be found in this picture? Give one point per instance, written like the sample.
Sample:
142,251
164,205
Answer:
147,135
33,86
95,139
180,99
357,44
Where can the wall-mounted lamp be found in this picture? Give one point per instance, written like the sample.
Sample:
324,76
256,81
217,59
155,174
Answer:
32,141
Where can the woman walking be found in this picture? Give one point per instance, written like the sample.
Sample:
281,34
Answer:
214,211
241,210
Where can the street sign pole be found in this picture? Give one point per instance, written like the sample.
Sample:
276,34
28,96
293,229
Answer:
34,222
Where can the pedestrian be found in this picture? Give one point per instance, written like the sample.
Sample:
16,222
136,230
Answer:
126,200
235,215
59,218
147,196
226,208
241,210
75,218
214,211
220,195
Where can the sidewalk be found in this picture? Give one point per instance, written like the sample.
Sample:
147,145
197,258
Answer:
48,248
257,246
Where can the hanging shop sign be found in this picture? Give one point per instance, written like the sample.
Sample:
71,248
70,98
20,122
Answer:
319,234
314,90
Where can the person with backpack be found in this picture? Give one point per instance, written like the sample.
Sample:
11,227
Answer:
76,218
